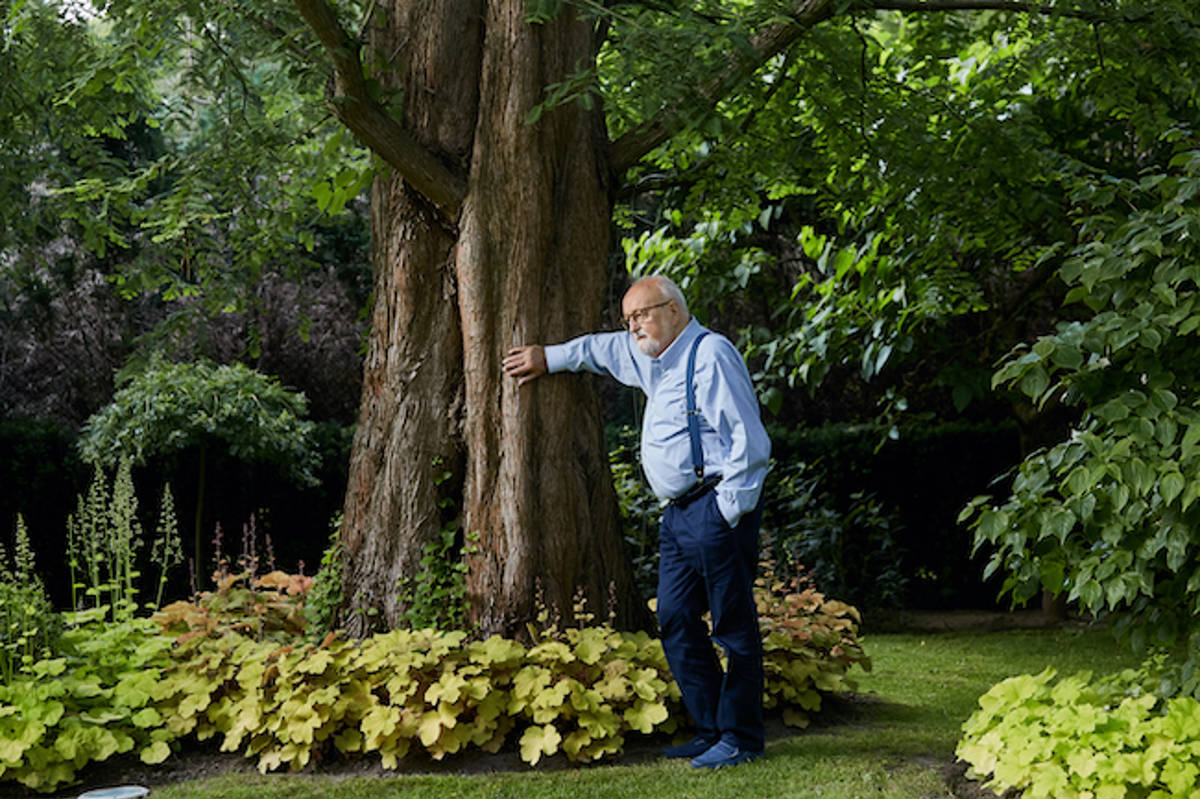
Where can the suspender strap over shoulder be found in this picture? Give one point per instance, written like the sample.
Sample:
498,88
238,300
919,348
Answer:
693,422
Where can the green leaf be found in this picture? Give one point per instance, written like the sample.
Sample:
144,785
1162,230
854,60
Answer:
1060,522
539,741
1171,486
1035,382
156,752
644,715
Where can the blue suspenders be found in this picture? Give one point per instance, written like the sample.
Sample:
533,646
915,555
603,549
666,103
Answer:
702,485
693,423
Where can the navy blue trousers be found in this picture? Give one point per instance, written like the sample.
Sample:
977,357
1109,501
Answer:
705,565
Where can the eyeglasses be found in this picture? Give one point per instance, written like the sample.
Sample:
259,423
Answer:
641,314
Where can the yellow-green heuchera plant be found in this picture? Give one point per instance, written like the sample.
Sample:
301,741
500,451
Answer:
1079,737
237,667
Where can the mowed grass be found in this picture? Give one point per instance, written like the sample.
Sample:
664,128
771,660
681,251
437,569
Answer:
893,740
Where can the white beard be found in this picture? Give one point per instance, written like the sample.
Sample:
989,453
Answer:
649,346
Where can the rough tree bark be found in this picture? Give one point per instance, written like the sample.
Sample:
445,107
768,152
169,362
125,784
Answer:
531,267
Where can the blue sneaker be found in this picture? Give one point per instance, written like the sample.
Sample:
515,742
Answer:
723,753
694,747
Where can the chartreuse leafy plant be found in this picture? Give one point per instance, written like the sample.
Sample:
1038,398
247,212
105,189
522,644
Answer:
85,685
1109,516
101,696
1077,736
237,666
581,691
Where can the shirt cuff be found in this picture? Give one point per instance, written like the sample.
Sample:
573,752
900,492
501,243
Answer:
556,357
729,510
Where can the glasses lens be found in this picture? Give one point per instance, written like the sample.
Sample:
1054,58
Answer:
642,314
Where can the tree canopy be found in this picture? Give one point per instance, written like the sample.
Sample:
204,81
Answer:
891,200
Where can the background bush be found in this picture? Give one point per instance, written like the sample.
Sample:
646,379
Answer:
892,505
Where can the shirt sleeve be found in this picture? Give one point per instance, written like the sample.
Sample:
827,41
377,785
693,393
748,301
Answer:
602,353
725,395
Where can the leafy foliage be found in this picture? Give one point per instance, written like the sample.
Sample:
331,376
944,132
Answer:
103,539
29,627
170,407
1076,736
809,645
436,595
267,607
852,553
68,106
144,215
101,696
580,693
638,506
324,600
1108,516
203,218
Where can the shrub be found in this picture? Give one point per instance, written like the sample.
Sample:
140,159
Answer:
322,603
237,665
905,492
100,697
269,607
852,552
1077,736
169,408
809,645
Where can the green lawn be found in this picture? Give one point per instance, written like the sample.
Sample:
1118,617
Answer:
890,744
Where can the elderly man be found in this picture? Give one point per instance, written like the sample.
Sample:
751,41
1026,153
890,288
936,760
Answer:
704,450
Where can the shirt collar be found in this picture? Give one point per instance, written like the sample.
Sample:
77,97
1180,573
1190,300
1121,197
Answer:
675,351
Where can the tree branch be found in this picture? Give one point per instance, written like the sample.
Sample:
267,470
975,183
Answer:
771,40
1018,6
373,126
775,38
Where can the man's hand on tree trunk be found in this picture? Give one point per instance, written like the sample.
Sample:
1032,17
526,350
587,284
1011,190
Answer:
525,363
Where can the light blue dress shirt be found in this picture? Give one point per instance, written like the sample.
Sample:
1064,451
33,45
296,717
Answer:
731,432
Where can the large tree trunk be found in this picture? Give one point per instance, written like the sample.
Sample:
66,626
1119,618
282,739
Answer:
523,262
531,266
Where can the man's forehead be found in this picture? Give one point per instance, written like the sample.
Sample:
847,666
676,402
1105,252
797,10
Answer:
639,293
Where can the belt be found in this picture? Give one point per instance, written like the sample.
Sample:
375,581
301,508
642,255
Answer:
696,491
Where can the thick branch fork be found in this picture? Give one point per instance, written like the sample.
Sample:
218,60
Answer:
373,126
